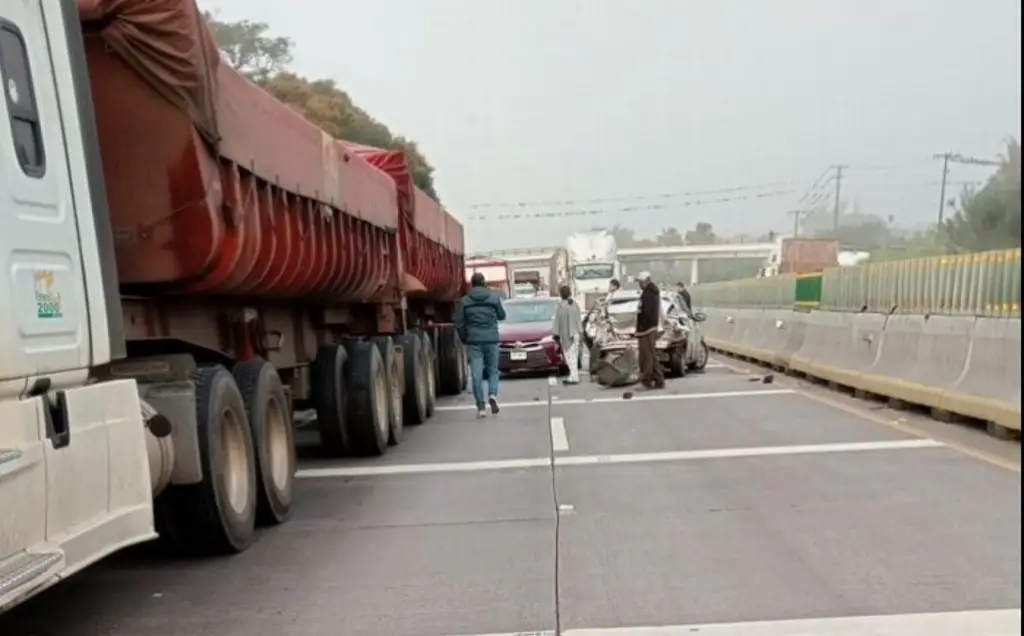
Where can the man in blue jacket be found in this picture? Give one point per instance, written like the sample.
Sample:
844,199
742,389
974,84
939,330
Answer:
476,320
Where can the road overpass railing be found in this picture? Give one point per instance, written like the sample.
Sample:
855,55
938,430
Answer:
940,333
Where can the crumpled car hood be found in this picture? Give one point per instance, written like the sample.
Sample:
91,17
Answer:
620,328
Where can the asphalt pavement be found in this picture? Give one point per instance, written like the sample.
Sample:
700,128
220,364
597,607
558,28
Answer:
722,505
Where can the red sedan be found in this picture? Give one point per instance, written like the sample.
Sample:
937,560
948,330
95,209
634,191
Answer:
525,336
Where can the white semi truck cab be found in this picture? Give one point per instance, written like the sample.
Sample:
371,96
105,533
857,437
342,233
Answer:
594,263
76,451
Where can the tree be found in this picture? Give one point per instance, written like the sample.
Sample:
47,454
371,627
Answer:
249,49
264,59
702,234
989,218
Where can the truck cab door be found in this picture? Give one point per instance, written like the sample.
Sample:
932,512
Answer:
96,484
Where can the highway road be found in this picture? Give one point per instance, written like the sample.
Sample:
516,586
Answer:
722,500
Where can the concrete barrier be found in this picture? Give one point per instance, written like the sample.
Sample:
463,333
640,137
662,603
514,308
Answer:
959,365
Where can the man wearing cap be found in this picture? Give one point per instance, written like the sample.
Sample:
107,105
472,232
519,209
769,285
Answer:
648,323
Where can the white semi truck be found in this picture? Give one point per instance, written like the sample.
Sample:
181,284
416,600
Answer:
594,263
185,260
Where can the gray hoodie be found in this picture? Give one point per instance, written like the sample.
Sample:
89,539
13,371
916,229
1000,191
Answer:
568,322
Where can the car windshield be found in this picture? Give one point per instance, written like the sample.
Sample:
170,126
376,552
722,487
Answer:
593,271
534,311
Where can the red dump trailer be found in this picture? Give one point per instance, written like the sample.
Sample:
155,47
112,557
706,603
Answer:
262,263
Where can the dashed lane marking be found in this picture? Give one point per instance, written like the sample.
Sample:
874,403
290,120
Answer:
559,437
624,458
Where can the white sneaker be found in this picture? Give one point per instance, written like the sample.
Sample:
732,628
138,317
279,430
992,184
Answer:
481,414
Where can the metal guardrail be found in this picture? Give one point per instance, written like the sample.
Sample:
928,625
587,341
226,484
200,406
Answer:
979,284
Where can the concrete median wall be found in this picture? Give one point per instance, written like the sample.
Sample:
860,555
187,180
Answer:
963,365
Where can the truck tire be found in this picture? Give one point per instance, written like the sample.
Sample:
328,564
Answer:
414,398
451,376
701,362
395,383
328,379
217,515
677,362
368,423
432,362
273,436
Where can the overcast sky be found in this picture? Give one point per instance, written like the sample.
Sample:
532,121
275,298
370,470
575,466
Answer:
539,100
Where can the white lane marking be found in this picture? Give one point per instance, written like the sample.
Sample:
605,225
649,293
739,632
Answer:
412,469
559,438
730,453
625,458
618,399
552,380
980,623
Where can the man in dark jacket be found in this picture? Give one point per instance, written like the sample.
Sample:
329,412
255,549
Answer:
648,323
476,321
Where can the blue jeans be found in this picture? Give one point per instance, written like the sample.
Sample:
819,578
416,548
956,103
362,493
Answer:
483,358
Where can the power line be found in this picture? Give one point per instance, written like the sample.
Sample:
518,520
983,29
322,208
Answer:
520,215
817,184
642,197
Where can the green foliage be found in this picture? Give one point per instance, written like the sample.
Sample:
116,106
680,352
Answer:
250,50
264,59
989,218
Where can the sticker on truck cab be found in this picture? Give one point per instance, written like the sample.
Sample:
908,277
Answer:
48,301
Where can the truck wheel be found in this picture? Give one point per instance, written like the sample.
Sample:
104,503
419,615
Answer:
414,399
395,384
702,358
328,379
676,362
218,515
368,423
451,370
431,370
273,437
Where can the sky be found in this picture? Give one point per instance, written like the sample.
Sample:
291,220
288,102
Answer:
522,102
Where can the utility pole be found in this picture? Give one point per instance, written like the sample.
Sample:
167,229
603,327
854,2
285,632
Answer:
956,157
835,209
797,217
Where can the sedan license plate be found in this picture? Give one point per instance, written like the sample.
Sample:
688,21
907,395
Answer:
517,355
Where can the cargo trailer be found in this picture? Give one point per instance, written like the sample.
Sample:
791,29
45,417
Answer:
190,262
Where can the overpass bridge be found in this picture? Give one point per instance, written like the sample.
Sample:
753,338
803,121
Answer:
526,258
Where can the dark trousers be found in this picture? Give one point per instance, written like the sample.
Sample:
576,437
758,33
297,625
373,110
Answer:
650,368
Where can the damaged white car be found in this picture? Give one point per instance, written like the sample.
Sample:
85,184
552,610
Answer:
609,332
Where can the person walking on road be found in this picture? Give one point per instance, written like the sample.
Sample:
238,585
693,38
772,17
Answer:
567,329
476,321
648,324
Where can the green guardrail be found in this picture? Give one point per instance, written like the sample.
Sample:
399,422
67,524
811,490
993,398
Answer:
980,284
